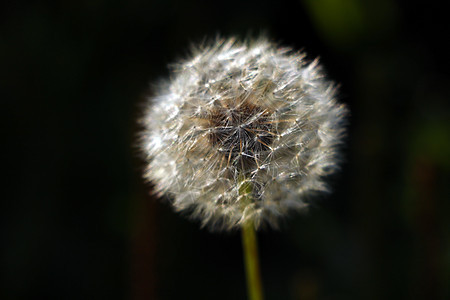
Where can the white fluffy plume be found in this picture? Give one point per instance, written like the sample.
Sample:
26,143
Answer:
242,131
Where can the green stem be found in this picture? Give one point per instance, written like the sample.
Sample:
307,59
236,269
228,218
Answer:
250,247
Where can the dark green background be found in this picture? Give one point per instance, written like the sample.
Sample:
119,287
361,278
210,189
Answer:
78,222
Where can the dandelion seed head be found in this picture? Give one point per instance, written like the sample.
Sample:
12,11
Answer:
242,131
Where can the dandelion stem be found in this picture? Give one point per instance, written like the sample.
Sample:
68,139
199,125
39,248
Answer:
250,248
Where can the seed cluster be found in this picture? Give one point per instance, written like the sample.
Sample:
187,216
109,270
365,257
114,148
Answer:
242,131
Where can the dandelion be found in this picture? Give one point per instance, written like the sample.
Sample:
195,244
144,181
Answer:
243,131
242,134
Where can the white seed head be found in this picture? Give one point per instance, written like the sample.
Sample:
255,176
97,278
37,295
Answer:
242,131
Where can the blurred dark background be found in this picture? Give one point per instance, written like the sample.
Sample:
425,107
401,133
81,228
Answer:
78,221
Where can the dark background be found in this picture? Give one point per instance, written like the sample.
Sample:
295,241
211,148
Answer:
78,221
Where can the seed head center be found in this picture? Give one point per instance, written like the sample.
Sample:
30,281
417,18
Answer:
243,132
